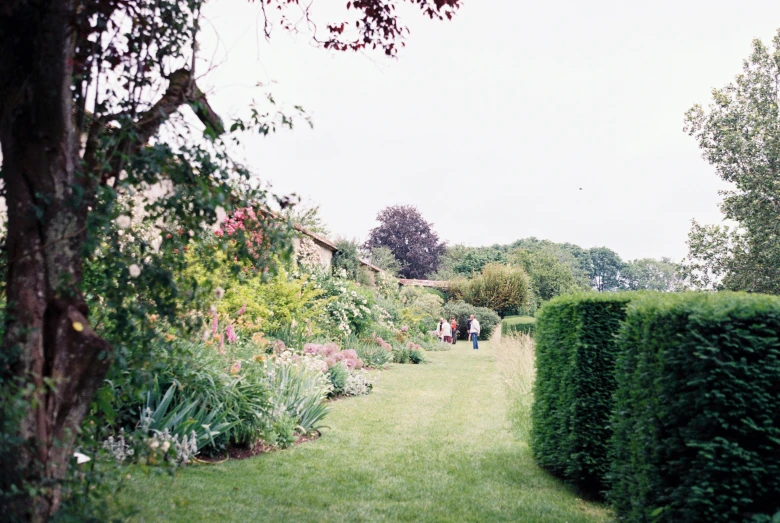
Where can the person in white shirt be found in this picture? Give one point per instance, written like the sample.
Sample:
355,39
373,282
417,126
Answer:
474,331
446,331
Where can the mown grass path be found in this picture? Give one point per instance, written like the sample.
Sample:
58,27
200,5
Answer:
432,442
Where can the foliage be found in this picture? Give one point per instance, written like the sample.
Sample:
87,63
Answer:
421,309
338,374
462,310
739,136
550,277
346,260
460,260
518,325
697,414
384,258
606,269
110,78
349,307
650,275
184,418
416,355
501,288
358,383
297,391
307,217
372,354
574,256
410,238
575,353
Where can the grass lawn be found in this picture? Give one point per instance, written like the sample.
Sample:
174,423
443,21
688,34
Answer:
432,442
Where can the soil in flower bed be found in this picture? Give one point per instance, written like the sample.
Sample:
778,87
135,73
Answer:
255,450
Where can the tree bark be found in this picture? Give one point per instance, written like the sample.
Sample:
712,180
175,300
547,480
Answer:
60,360
59,355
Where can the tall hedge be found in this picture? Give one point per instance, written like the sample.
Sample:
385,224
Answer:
575,356
518,325
697,417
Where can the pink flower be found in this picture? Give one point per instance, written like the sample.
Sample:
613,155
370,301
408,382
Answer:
231,334
235,368
242,310
215,324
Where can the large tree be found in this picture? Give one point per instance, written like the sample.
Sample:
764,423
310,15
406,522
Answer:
86,89
650,274
739,134
550,277
412,240
606,268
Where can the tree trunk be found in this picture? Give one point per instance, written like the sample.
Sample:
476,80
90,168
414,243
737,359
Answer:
60,358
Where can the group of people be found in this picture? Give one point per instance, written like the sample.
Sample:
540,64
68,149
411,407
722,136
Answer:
448,331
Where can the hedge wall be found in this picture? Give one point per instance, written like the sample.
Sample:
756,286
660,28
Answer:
575,355
518,324
697,417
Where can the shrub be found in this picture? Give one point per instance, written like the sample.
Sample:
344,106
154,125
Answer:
338,375
498,287
518,325
416,355
697,415
575,356
401,355
372,354
461,310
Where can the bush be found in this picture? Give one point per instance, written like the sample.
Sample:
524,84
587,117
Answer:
461,310
518,325
416,355
697,417
499,287
338,375
371,353
401,355
575,355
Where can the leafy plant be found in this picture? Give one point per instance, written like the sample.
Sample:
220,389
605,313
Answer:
338,375
182,416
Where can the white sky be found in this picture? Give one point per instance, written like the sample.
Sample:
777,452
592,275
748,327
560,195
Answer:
491,123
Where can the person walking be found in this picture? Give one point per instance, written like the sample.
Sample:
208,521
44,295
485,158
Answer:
439,330
454,327
474,331
446,332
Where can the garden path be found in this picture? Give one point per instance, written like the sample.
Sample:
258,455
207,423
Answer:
432,442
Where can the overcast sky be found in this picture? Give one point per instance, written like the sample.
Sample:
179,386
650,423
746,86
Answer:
490,124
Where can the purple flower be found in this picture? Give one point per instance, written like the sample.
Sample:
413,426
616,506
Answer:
231,334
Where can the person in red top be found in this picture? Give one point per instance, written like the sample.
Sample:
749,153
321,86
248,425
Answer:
454,326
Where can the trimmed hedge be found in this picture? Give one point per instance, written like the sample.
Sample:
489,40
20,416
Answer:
518,325
697,417
575,356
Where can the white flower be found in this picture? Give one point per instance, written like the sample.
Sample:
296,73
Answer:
154,443
219,292
135,270
165,446
124,221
